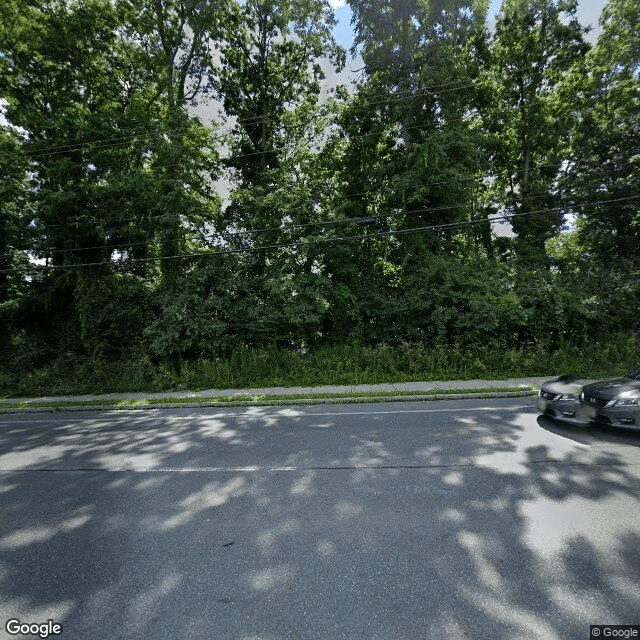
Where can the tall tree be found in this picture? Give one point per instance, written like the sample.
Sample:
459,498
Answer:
179,39
119,171
421,61
536,43
604,160
413,147
14,230
270,81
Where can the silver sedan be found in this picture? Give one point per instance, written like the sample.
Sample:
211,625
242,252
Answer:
560,398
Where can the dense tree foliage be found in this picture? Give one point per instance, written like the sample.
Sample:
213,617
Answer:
365,216
534,47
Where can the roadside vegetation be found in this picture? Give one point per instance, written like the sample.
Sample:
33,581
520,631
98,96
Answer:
267,399
359,242
333,365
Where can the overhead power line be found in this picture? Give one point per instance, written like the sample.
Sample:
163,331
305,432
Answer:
345,197
443,85
315,241
116,141
395,97
302,146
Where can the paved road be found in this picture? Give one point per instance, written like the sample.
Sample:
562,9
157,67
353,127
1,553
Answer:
457,519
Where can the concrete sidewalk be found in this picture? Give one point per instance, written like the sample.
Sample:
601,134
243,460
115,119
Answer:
399,387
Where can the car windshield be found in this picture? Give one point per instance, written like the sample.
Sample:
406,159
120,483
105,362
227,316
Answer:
635,374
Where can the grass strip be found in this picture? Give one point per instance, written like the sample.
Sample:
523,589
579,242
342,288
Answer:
264,398
351,364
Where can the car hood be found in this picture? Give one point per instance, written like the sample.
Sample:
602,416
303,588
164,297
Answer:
573,385
609,389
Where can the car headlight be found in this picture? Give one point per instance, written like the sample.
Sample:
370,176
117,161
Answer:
557,396
625,399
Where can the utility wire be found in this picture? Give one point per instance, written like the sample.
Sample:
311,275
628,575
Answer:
390,98
407,91
105,143
224,235
363,193
304,243
303,146
387,97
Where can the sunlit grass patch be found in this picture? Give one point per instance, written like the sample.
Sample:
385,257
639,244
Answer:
265,398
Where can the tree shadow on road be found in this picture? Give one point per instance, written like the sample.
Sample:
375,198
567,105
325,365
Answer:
329,522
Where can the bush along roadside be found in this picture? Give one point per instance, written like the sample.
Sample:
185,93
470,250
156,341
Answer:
337,365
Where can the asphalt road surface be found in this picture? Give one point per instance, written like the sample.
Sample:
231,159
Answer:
453,519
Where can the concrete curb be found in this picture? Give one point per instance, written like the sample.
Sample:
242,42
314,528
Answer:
274,402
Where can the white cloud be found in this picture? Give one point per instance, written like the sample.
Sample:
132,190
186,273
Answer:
336,4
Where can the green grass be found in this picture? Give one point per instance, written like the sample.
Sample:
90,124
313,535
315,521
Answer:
219,400
336,365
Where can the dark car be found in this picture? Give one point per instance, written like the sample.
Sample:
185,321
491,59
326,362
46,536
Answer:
614,402
560,398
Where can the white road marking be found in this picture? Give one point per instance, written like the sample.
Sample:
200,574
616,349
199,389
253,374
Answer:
304,414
